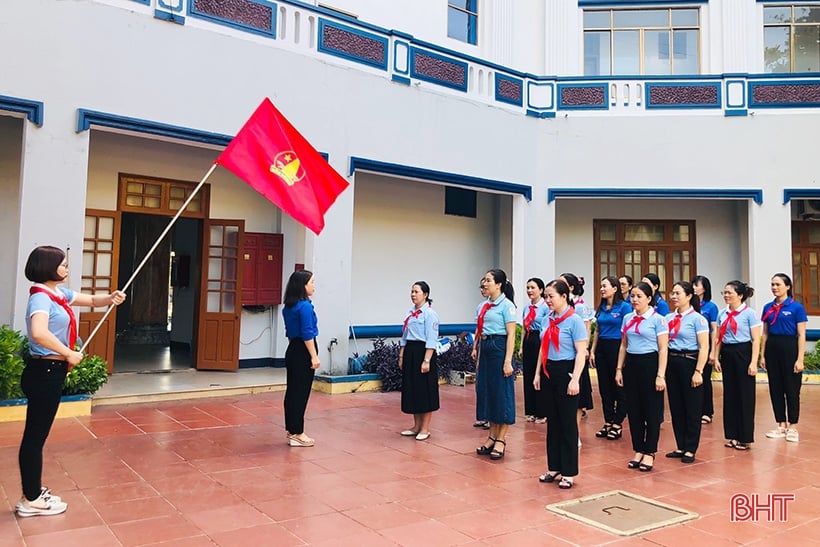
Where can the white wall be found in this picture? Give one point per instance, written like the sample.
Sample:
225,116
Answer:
11,149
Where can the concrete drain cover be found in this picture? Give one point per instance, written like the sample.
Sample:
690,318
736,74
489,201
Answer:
622,513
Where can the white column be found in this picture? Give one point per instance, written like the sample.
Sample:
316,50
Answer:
520,272
737,25
501,31
562,38
770,249
53,178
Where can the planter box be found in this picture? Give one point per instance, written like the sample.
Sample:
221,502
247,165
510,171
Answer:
350,383
14,410
461,377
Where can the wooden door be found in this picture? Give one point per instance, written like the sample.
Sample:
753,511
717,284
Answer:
220,298
101,243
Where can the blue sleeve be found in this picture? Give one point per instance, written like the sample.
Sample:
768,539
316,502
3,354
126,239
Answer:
69,294
307,321
579,331
663,307
430,329
800,314
702,325
38,302
508,312
660,325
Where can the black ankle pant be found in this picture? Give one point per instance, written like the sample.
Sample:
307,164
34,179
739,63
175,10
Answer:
784,383
300,382
685,401
738,392
643,402
613,400
42,383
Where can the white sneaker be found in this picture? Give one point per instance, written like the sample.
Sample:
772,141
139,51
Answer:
44,505
777,433
44,493
792,436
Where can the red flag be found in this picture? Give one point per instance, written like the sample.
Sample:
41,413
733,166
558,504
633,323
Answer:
278,162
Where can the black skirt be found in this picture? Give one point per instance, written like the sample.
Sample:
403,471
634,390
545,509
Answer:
419,391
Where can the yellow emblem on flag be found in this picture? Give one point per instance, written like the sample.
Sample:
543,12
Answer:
286,166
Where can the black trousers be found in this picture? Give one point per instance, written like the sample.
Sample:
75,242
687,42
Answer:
644,403
738,392
562,425
613,400
42,383
533,401
784,384
685,402
300,382
708,407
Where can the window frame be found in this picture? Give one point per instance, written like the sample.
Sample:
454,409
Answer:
802,280
472,16
791,25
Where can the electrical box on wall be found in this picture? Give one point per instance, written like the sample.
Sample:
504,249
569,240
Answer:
262,274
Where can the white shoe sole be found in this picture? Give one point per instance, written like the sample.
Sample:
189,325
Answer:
55,509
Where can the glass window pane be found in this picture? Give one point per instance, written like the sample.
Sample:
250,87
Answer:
640,18
88,264
153,189
596,53
103,265
213,302
228,302
680,232
814,234
776,49
90,228
606,232
807,48
643,232
627,52
777,14
596,19
684,17
152,203
216,236
105,246
457,24
656,58
214,268
106,228
133,201
685,52
807,14
463,4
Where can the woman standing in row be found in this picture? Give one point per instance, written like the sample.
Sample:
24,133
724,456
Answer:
417,361
658,302
562,357
534,316
641,372
587,314
784,343
738,349
625,283
301,357
482,288
495,390
708,309
52,338
688,352
604,356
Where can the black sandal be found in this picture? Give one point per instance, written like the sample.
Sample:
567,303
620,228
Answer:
604,431
645,467
615,432
498,454
485,450
549,476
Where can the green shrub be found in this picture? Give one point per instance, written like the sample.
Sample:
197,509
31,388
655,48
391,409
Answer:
811,360
87,377
13,347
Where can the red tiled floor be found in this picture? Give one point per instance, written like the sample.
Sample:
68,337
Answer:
219,472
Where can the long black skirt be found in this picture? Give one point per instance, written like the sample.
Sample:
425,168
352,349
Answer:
419,391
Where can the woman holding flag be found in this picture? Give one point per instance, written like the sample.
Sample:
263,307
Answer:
738,349
561,361
52,338
495,390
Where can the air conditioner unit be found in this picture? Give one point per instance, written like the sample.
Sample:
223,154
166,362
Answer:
809,209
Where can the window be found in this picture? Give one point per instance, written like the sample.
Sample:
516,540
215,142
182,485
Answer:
138,194
791,38
806,264
460,202
641,41
636,247
462,20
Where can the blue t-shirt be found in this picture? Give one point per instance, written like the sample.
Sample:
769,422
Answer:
497,317
710,311
583,309
423,327
541,312
791,313
570,330
58,319
691,324
662,307
642,338
301,321
609,321
746,320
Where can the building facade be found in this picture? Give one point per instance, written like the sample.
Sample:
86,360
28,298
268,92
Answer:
597,137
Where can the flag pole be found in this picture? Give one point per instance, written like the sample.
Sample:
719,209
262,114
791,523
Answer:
150,252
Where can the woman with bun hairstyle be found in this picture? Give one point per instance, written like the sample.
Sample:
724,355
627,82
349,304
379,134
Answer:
784,343
658,302
603,356
533,316
587,314
738,349
709,310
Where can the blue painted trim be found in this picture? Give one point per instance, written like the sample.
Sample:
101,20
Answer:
537,114
603,106
193,12
87,118
344,55
32,109
400,79
63,399
165,5
471,58
604,3
800,193
146,2
396,45
741,112
502,99
365,164
554,193
347,378
648,93
754,104
168,16
395,331
531,85
812,335
433,79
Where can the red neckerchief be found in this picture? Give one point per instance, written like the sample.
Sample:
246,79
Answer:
61,301
674,324
481,314
410,316
529,319
730,321
552,336
775,310
637,322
